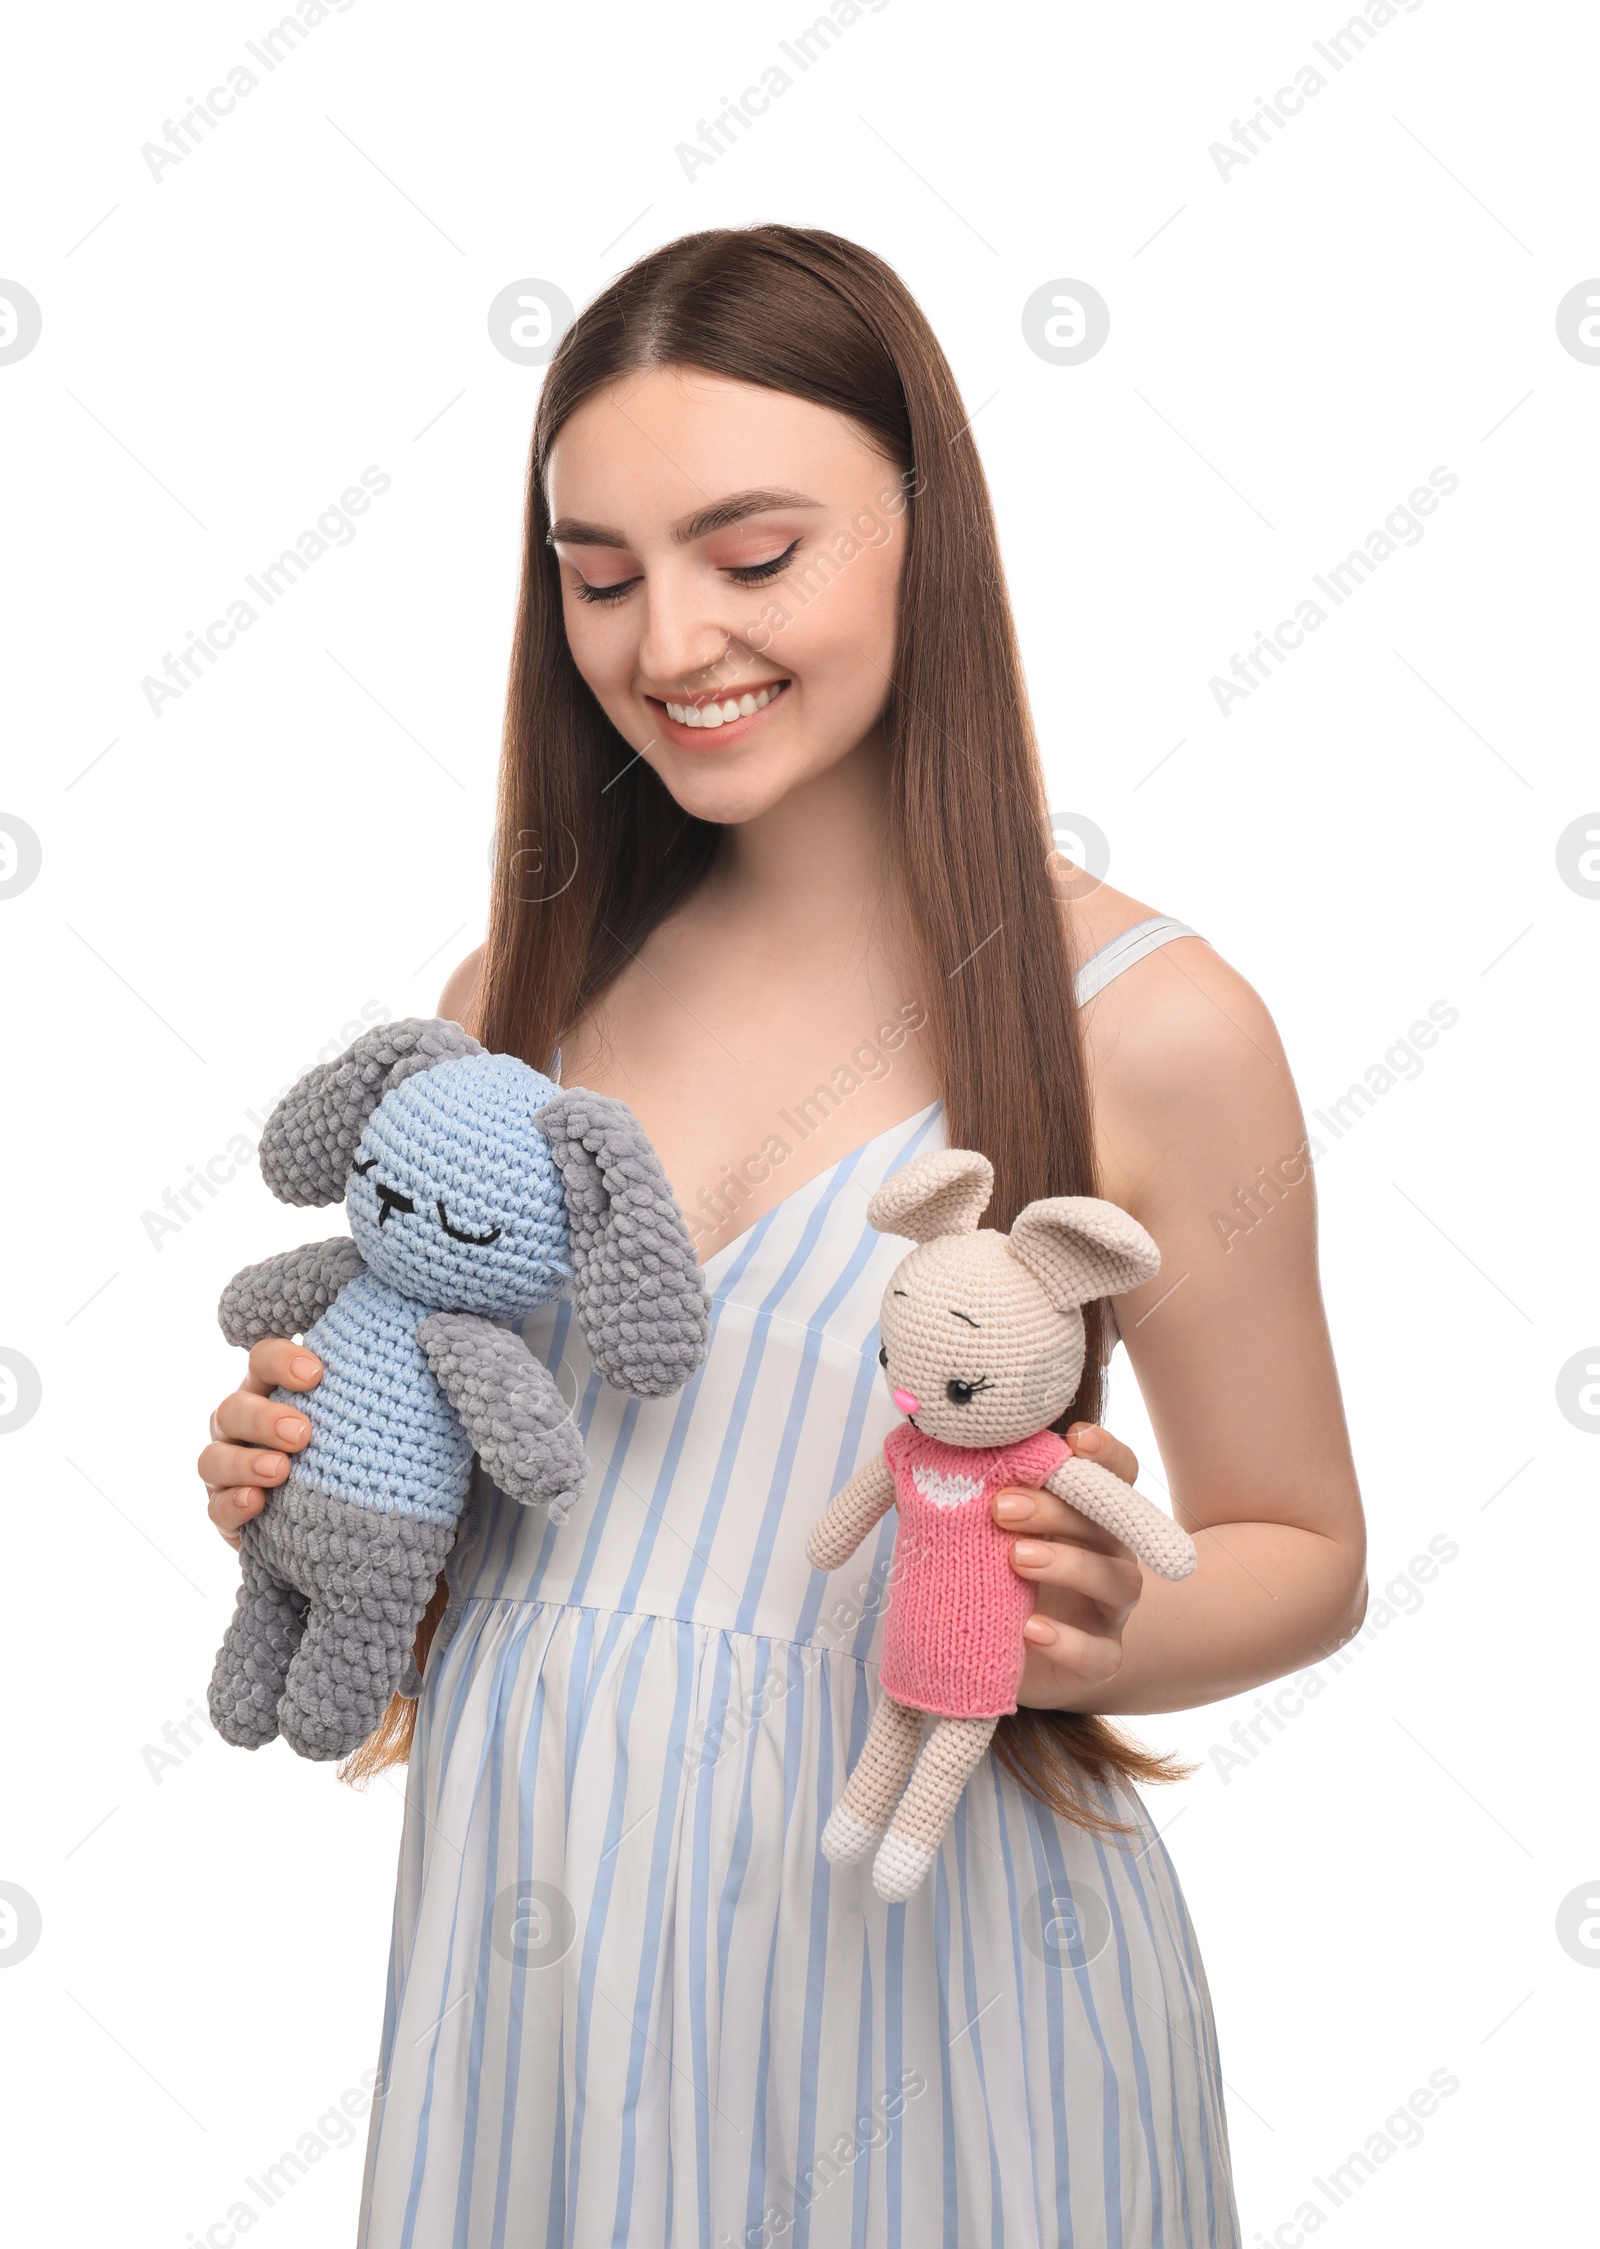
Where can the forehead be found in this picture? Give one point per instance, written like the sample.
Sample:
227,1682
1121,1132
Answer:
490,1097
650,448
970,1273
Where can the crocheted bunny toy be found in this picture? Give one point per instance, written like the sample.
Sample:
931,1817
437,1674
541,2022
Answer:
476,1190
983,1346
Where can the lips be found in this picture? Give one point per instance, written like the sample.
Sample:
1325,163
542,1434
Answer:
702,722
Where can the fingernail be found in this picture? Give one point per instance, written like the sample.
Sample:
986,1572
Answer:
291,1428
1030,1553
269,1464
1013,1510
1087,1441
1037,1630
305,1366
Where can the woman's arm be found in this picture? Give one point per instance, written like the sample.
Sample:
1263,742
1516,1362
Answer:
1201,1137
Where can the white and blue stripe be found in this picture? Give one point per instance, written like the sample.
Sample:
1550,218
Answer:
630,2002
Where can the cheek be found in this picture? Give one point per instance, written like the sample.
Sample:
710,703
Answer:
592,639
840,641
852,616
601,642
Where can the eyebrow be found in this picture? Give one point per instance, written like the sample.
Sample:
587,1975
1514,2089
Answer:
572,531
955,1315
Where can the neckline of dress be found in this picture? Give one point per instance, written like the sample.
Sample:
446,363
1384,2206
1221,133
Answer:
850,1155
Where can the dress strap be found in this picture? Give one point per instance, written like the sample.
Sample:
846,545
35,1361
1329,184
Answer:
1144,937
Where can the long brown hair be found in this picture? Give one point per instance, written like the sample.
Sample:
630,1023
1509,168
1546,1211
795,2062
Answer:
817,317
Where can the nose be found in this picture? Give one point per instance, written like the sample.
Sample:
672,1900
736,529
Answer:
904,1401
681,642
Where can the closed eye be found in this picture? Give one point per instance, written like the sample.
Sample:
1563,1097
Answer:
456,1235
757,573
614,592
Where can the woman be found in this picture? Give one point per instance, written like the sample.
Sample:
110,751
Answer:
775,868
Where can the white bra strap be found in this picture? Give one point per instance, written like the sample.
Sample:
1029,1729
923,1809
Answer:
1144,937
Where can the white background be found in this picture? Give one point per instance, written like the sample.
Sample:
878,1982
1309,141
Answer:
305,831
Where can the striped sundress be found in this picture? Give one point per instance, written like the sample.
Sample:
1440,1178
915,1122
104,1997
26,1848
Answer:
630,2002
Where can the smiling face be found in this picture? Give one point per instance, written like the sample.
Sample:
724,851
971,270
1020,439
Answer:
453,1196
730,565
974,1352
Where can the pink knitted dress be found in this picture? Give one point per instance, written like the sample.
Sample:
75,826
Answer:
952,1638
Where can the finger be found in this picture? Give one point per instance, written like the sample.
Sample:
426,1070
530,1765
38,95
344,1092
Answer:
226,1467
231,1510
280,1365
1102,1578
1098,1445
1062,1658
246,1418
1039,1514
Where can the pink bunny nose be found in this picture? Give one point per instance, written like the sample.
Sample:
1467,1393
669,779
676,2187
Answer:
904,1401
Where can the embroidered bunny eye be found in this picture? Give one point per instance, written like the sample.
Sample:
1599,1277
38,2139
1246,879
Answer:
479,1241
963,1393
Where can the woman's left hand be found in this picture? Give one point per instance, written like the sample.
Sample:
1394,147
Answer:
1086,1583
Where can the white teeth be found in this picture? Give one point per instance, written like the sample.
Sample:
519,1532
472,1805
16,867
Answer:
723,714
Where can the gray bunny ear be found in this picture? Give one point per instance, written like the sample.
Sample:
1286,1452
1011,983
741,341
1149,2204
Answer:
638,1292
309,1139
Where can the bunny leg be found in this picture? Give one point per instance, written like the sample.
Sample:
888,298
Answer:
863,1812
949,1756
253,1662
369,1577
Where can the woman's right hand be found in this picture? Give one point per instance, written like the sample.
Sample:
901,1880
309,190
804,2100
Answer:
251,1438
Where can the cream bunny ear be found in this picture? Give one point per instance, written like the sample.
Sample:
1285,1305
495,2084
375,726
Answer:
1077,1248
945,1192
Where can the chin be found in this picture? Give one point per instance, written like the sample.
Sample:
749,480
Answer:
726,798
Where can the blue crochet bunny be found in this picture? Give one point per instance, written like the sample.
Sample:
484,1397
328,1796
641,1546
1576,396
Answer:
476,1190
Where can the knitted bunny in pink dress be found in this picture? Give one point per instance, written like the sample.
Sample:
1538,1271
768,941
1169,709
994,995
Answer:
983,1344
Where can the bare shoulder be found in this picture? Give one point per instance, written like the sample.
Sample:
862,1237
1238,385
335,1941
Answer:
457,1000
1181,1049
